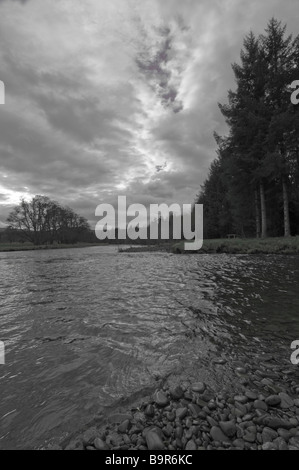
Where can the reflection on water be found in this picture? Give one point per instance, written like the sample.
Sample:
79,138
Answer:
85,327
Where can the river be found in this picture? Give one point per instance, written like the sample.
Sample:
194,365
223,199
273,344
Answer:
85,328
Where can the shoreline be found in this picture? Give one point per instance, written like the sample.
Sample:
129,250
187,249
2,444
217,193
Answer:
5,248
261,414
248,246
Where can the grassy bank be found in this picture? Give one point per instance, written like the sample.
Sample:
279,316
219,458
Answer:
279,245
29,246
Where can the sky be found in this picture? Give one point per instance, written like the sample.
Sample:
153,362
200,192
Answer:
118,97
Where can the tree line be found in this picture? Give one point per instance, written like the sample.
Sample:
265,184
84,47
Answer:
44,221
253,185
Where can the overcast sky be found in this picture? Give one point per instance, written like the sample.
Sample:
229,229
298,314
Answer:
118,97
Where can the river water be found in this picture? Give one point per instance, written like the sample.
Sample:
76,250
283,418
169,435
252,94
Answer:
87,328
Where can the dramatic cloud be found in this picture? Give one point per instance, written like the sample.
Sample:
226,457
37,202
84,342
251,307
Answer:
117,98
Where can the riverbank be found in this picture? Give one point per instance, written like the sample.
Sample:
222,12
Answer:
4,247
263,414
278,245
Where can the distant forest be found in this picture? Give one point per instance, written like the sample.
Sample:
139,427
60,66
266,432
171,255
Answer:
253,184
43,221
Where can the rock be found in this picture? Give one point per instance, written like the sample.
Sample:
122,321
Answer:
251,395
286,400
124,426
294,442
260,405
171,416
228,427
161,399
276,423
217,435
286,435
179,432
191,445
249,437
194,410
269,446
241,399
154,441
181,413
273,400
176,393
114,439
89,436
280,443
268,435
198,387
212,421
239,443
219,361
150,411
100,445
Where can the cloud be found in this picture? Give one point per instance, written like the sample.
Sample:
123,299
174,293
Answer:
107,98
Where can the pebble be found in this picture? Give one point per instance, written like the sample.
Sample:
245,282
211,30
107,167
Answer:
198,387
161,399
273,400
260,405
176,392
218,435
181,413
228,427
192,417
286,401
100,445
154,441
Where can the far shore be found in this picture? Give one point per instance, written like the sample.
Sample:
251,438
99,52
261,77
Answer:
5,247
277,245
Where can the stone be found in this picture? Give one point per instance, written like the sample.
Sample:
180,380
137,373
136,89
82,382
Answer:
194,410
218,435
273,400
154,441
179,432
149,411
228,427
212,421
241,399
181,413
124,426
191,445
286,401
276,423
251,395
176,392
198,387
294,441
269,446
171,416
260,405
89,436
249,437
280,443
239,443
268,435
161,399
100,445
